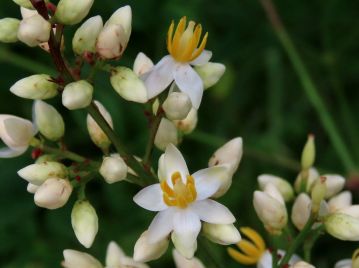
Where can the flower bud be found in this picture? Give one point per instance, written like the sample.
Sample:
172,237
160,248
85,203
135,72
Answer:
210,73
123,17
342,226
282,185
340,201
306,177
302,264
46,158
128,85
36,87
188,124
78,259
34,30
8,30
77,95
308,154
270,208
113,169
182,262
26,12
334,183
166,134
48,120
84,221
223,234
301,210
71,12
38,173
96,134
145,251
177,106
32,188
318,193
53,193
85,37
142,64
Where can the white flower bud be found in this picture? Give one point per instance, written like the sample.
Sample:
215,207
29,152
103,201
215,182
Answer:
166,134
26,12
48,120
270,208
53,193
229,155
78,259
223,234
188,124
113,169
31,188
128,85
301,210
311,175
177,106
115,257
71,12
142,64
8,30
334,183
308,154
96,134
145,251
182,262
342,226
282,185
36,87
86,35
210,73
340,201
34,30
110,43
302,264
77,95
26,3
38,173
46,158
84,221
122,17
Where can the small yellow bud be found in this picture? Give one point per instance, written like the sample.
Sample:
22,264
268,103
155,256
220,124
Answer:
308,154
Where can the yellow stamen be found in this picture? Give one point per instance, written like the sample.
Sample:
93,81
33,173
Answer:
254,237
183,44
248,248
241,258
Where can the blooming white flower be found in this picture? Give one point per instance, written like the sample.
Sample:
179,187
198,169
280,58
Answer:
16,133
183,50
182,201
182,262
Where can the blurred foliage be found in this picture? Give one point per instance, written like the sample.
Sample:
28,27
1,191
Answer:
259,98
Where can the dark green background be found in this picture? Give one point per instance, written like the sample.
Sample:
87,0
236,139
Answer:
259,98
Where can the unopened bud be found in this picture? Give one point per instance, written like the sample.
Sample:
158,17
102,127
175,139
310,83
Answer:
342,226
340,201
318,194
308,154
71,12
301,210
270,208
113,169
26,12
123,17
145,251
86,36
8,30
77,95
31,188
223,234
166,134
182,262
334,183
142,64
38,173
84,221
48,120
355,259
282,185
96,133
128,85
188,124
210,73
177,106
36,87
78,259
46,158
306,178
53,193
34,30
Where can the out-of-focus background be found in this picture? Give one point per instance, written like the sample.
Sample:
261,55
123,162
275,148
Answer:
259,98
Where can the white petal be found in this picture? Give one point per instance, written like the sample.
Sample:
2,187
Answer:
209,180
345,263
213,212
174,162
160,77
161,168
189,82
205,56
150,198
16,132
186,229
182,262
142,64
161,225
12,152
114,255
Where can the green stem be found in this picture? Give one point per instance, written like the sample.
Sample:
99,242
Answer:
209,255
64,154
308,245
309,86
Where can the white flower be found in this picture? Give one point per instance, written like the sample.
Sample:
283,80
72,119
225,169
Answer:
182,202
182,262
16,133
183,50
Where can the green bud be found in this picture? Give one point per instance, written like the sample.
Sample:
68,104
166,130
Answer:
26,3
71,12
308,154
8,30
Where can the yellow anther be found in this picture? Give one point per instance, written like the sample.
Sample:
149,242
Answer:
183,44
254,237
241,258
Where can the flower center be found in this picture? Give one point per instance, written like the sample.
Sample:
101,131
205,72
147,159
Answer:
183,44
181,195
